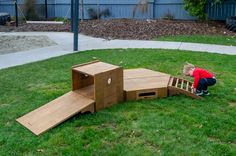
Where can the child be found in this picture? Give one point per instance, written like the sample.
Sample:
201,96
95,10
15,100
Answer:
202,79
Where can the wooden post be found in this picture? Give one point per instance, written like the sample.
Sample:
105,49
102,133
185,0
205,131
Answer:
46,9
76,23
16,13
72,15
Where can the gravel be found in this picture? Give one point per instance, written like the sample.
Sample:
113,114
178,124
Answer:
132,29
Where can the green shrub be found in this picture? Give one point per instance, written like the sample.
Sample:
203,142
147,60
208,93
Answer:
29,10
197,7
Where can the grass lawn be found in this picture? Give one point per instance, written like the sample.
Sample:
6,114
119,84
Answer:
171,126
221,40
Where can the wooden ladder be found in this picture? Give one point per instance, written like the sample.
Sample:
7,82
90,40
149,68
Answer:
181,86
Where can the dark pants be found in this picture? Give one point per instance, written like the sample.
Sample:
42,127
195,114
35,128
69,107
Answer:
205,82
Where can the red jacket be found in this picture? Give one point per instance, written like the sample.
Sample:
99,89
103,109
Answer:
199,73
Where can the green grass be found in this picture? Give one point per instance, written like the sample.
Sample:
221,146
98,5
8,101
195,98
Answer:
171,126
221,40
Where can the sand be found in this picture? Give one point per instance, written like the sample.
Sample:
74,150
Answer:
12,43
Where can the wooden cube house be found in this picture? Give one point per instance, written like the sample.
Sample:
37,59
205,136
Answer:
99,81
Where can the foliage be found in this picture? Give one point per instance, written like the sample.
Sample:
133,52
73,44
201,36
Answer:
29,10
61,19
197,7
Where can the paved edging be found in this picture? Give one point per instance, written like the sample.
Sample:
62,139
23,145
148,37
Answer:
65,43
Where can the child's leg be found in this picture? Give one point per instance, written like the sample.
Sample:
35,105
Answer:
202,85
211,81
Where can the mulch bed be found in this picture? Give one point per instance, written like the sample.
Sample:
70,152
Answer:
132,29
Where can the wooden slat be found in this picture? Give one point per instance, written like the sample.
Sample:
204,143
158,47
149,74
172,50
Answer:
171,81
177,81
182,84
55,112
87,63
95,68
187,86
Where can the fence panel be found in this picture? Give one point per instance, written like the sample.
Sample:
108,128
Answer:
124,9
221,11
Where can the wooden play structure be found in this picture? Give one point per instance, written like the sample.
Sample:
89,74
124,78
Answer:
97,85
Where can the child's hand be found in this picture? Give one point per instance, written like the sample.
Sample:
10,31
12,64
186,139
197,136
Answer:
194,89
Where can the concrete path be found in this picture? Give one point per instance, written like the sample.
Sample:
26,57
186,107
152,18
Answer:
65,46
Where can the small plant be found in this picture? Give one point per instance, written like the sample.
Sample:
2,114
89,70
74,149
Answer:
61,19
142,6
29,10
95,14
168,16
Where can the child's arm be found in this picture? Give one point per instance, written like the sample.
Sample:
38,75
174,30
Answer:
196,80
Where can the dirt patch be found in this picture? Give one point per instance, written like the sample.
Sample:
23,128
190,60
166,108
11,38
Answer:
12,44
232,104
132,29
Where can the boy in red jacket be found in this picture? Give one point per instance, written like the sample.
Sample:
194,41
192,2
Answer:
202,79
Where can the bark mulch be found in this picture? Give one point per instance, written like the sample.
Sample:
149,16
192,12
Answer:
132,29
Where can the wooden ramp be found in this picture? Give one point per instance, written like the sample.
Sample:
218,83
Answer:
56,111
181,86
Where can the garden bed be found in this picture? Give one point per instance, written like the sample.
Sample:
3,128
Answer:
132,29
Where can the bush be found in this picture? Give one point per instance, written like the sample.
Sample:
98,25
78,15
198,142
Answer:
197,7
29,10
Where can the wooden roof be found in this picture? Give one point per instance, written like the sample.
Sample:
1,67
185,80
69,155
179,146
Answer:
95,68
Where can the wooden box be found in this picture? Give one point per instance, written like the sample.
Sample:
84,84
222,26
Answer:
100,81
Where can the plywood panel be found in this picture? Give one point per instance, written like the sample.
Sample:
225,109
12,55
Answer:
145,83
141,72
87,91
95,68
55,112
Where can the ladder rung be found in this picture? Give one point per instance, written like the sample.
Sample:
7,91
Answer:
171,81
187,86
182,84
177,81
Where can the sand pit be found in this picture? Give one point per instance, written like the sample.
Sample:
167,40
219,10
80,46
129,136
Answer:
12,43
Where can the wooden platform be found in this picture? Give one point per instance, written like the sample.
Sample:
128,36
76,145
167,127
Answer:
144,83
56,111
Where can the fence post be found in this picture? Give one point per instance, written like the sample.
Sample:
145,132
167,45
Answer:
154,9
16,13
76,23
46,9
72,15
